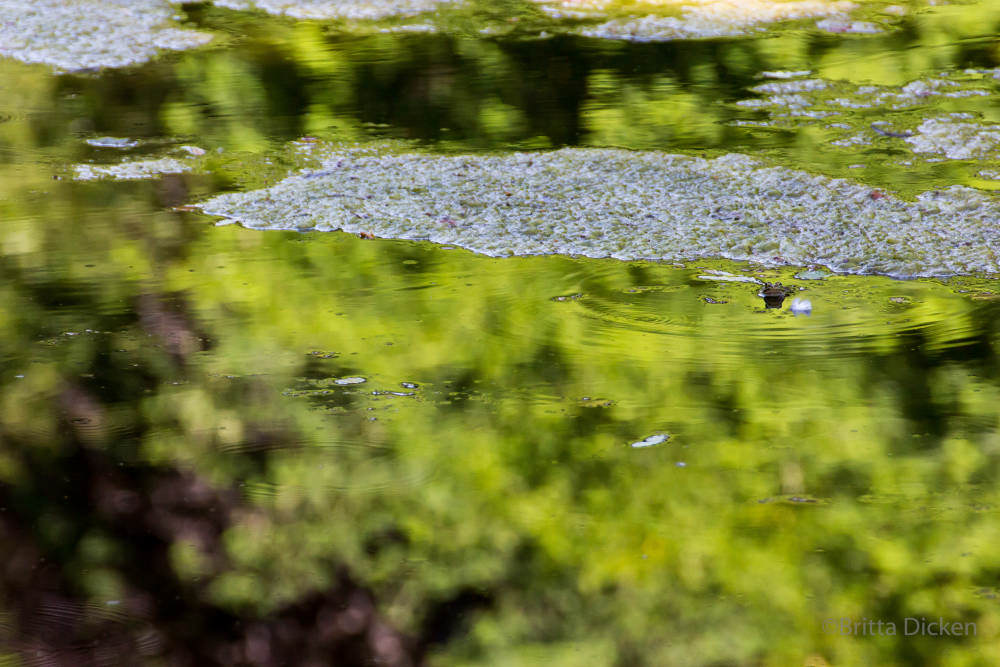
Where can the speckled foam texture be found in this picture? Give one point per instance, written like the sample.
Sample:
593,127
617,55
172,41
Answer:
74,35
709,18
630,205
130,170
335,9
867,114
955,139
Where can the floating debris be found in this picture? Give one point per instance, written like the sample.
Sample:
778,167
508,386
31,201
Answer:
877,126
655,439
350,380
112,142
709,299
784,500
588,402
409,385
77,35
130,171
631,205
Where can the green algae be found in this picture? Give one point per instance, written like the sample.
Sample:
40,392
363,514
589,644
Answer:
90,34
712,18
639,21
934,117
330,9
672,18
956,140
530,475
84,35
630,205
503,439
131,170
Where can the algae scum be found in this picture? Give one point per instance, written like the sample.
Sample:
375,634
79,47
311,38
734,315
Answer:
632,205
558,332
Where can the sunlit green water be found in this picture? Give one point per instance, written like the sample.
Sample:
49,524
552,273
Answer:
841,464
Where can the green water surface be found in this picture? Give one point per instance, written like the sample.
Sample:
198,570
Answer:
831,465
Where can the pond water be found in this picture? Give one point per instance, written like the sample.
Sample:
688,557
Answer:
224,445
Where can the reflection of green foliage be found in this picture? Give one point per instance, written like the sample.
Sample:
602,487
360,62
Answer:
664,112
497,478
280,79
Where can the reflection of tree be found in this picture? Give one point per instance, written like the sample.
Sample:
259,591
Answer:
143,513
498,512
493,497
487,94
461,92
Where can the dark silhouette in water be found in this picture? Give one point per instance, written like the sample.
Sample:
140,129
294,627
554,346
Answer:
774,294
79,480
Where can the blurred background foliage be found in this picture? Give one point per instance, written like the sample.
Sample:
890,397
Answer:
175,447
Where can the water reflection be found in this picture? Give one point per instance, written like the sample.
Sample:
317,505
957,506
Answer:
182,477
196,420
469,93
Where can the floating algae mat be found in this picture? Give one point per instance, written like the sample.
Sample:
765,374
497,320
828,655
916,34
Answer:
643,20
335,9
857,114
88,34
83,35
631,205
556,459
78,35
130,171
711,18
